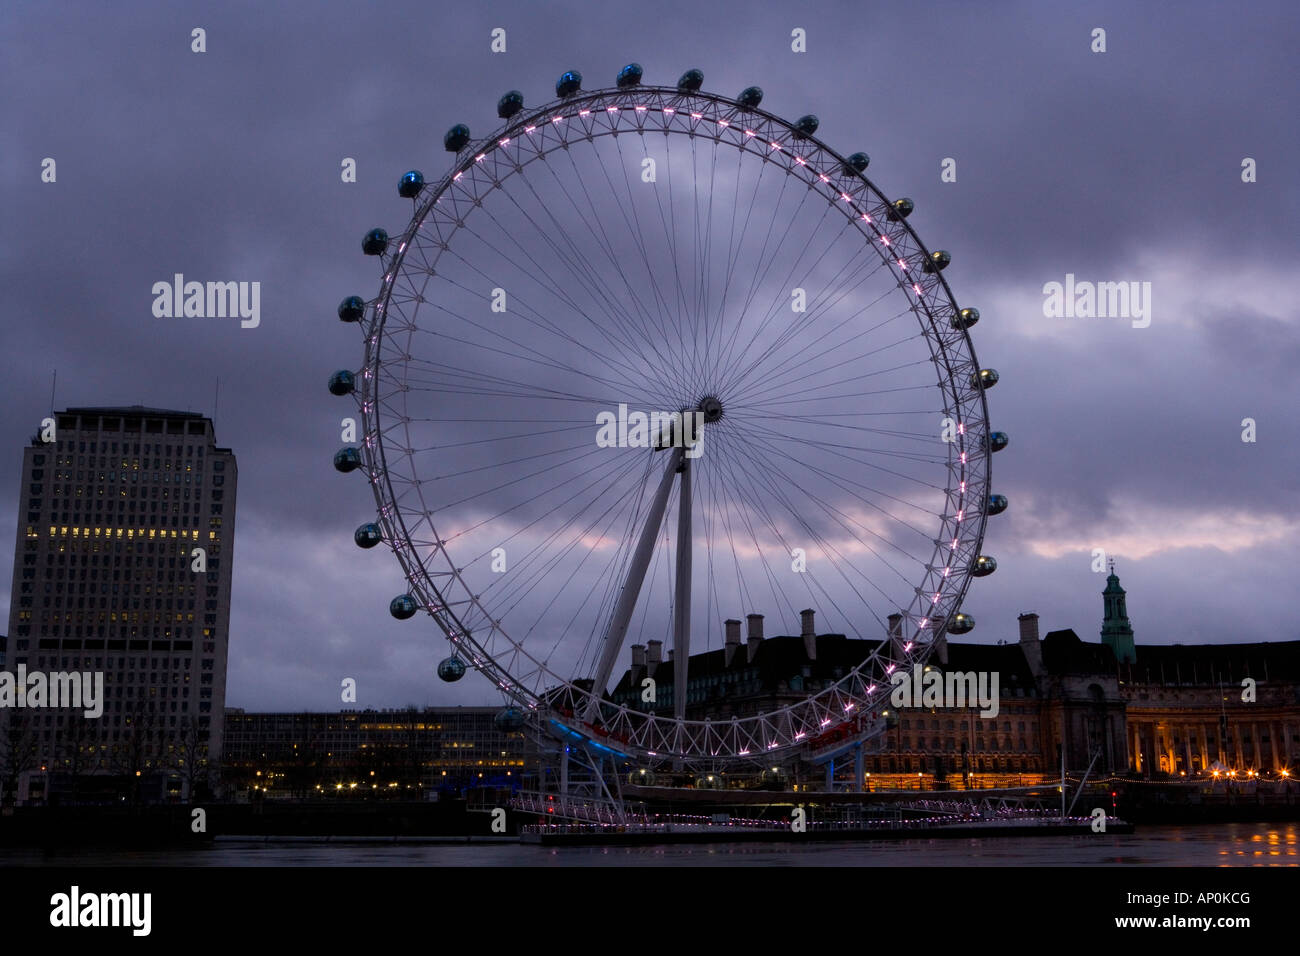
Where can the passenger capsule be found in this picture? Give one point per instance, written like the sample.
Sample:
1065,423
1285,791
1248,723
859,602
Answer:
710,781
409,186
965,319
805,126
984,378
997,504
961,624
568,83
402,607
375,242
510,104
998,440
347,459
368,535
509,720
630,75
642,778
937,261
857,163
352,308
984,566
342,382
750,97
456,138
900,209
690,81
451,669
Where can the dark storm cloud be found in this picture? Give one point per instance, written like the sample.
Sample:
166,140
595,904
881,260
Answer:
1116,166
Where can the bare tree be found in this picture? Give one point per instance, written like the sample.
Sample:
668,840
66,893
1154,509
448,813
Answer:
18,742
416,740
74,754
189,758
136,753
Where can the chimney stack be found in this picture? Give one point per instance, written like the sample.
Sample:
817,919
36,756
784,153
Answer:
638,663
733,639
1030,645
653,656
755,633
896,636
808,631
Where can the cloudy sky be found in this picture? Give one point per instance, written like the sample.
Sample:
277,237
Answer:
1123,165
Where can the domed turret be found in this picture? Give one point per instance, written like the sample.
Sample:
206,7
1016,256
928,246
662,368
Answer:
375,242
900,209
342,382
368,535
961,624
965,318
409,186
937,261
984,566
857,163
352,308
403,607
805,126
750,97
998,441
347,459
984,378
690,81
997,504
630,75
568,83
510,104
452,669
456,139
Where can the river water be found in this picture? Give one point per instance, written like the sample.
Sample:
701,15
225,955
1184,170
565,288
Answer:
1231,844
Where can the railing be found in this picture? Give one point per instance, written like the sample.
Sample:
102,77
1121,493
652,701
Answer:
686,824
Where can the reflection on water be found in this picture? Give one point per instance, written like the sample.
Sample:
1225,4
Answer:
1230,844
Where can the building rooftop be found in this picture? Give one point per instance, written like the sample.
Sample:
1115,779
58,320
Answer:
130,410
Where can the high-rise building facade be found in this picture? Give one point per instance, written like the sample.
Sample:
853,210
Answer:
122,568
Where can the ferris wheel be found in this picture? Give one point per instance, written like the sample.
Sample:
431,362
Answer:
648,360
